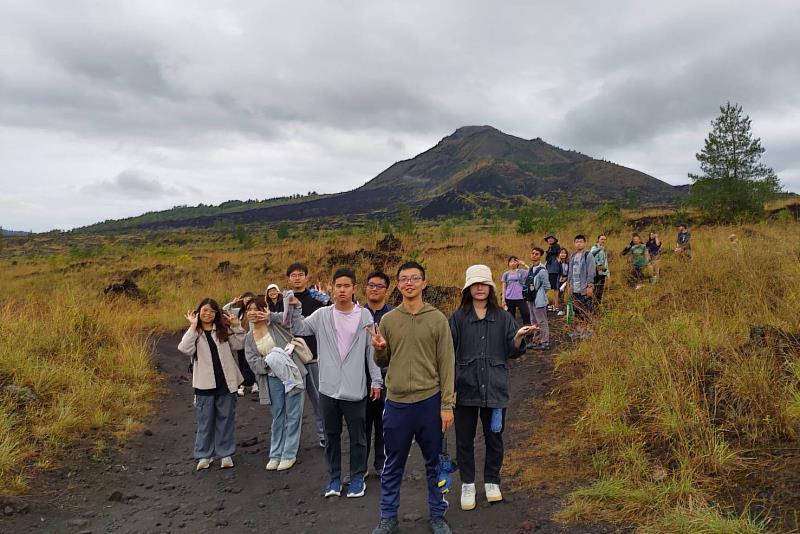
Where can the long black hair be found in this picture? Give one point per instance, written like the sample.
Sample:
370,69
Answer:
219,321
466,300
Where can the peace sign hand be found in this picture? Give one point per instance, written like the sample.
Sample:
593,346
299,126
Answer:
378,341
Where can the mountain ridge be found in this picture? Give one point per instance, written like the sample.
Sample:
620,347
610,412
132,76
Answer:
472,161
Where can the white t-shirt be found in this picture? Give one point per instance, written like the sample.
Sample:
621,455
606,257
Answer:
346,324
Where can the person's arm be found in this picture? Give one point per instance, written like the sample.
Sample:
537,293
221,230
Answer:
374,372
503,289
305,326
188,341
253,356
446,363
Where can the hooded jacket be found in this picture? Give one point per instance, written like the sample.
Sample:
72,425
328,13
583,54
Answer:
420,356
551,257
341,378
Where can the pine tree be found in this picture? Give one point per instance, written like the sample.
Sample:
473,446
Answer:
734,184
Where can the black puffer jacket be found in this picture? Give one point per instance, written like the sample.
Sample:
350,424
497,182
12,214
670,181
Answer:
483,347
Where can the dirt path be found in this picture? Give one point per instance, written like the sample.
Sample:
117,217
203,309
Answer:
151,486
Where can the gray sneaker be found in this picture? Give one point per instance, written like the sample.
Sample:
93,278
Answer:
388,525
439,526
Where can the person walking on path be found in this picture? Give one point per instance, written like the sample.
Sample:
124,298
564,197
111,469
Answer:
582,270
377,289
266,334
484,338
553,269
654,251
297,276
210,341
537,283
563,277
415,342
511,295
638,260
683,247
345,351
601,268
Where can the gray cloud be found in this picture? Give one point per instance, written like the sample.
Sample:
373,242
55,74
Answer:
269,97
133,183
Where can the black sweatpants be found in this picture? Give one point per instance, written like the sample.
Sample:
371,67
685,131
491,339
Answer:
466,422
244,367
354,414
375,422
512,305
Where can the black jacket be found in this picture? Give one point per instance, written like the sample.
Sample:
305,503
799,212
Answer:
310,305
551,258
483,347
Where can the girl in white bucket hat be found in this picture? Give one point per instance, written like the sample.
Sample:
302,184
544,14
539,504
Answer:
484,336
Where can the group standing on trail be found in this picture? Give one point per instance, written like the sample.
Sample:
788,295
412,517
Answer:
394,376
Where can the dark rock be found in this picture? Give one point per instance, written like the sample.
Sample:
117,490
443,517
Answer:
116,496
8,510
125,288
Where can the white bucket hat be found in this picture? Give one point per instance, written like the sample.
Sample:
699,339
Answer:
271,286
479,274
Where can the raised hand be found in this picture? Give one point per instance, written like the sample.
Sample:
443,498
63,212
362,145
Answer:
378,341
233,320
527,331
191,316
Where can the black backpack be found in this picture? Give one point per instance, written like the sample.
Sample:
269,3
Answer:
529,288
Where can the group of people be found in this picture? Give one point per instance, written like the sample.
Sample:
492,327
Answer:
393,376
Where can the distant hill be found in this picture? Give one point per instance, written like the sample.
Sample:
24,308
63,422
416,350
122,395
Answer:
476,165
12,233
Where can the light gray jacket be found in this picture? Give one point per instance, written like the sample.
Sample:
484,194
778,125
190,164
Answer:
255,359
341,378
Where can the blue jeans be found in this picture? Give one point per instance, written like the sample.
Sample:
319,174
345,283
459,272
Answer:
216,420
287,419
420,421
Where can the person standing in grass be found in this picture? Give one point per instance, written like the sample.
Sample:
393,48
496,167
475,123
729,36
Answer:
297,278
267,333
377,289
654,250
563,277
601,266
210,341
553,268
345,357
415,342
511,295
582,270
638,259
683,247
537,282
484,337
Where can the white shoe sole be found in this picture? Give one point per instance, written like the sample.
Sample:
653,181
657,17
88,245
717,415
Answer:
468,506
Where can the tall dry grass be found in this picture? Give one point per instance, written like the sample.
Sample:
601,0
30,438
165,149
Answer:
676,399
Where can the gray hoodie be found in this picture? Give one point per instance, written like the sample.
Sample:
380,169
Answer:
341,378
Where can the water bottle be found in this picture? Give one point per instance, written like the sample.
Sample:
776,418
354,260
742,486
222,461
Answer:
497,420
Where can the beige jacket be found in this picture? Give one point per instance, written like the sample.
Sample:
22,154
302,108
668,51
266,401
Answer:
203,374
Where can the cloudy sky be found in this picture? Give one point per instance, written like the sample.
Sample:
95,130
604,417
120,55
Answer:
109,109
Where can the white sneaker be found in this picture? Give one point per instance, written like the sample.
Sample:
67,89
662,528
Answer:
240,391
226,463
204,463
467,496
493,492
254,389
286,464
560,313
273,463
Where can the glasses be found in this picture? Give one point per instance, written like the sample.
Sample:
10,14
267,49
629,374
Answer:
297,275
409,280
376,286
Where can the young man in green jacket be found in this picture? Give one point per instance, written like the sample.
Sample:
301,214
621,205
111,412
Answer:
415,342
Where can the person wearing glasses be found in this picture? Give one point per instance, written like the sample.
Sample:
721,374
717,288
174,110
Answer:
297,277
415,343
377,289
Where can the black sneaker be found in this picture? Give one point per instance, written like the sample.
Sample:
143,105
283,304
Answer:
388,525
439,525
